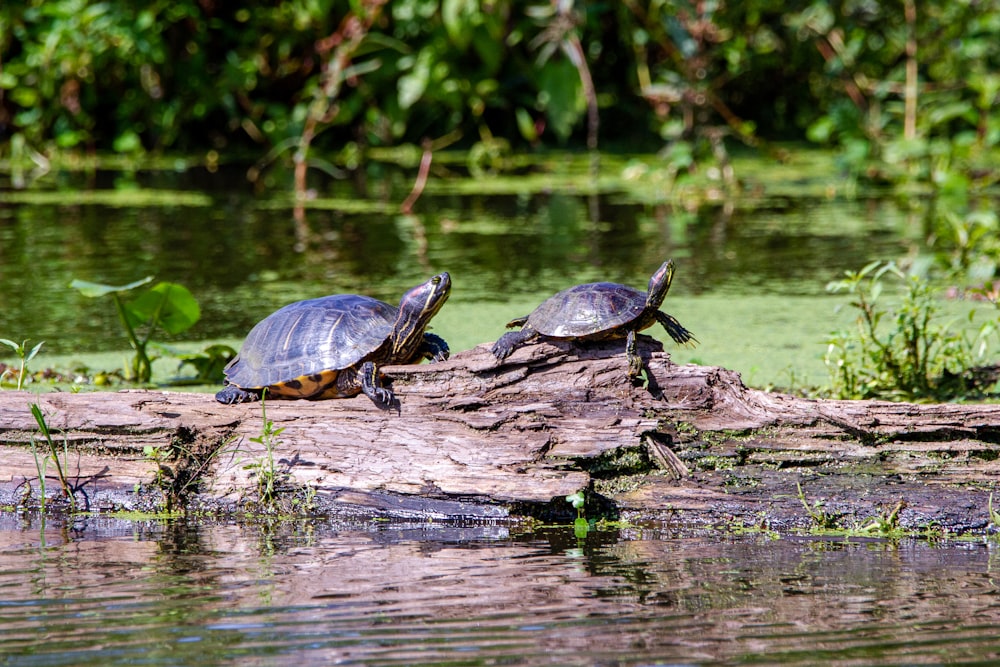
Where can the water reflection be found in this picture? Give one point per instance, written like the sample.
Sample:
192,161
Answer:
114,591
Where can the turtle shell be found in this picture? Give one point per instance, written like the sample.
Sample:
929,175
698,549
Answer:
589,310
299,350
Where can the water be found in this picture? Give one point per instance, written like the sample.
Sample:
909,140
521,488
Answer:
113,592
750,280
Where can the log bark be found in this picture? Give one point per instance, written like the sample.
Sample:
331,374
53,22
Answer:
475,439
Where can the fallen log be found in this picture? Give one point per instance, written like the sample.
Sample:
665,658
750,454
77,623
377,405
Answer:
475,439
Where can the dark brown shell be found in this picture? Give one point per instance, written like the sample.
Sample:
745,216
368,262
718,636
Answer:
588,310
301,348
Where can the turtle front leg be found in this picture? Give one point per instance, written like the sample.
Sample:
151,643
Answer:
634,360
434,348
382,397
510,341
680,335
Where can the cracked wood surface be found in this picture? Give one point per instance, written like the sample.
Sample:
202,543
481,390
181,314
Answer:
479,439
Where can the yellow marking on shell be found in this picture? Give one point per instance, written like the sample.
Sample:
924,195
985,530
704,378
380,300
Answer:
287,343
317,385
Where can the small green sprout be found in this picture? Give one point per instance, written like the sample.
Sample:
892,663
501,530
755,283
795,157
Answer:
24,355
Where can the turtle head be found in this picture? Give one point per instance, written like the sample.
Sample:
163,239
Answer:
659,283
416,309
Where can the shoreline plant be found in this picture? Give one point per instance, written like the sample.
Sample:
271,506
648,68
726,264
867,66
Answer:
46,432
905,352
264,468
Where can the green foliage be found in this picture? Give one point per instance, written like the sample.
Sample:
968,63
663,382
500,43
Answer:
965,246
884,525
25,355
906,91
906,353
180,467
167,306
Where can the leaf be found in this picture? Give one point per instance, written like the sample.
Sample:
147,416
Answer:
91,290
34,351
561,95
168,305
526,124
412,85
576,499
459,17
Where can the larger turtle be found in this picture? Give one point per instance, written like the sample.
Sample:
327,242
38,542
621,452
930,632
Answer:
332,347
597,311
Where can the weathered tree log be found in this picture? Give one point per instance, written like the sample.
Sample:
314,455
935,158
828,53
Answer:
477,439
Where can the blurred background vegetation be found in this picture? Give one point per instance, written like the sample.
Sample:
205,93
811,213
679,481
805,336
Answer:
904,92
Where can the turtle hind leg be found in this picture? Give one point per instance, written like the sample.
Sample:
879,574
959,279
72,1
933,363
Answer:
635,366
510,341
231,394
382,397
680,335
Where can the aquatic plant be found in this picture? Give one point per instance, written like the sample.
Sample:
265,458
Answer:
903,353
43,427
25,355
167,306
821,520
886,524
581,525
208,364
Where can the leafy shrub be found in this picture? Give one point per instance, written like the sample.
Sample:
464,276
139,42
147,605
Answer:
906,353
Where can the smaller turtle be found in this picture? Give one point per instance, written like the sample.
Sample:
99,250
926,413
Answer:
331,347
598,311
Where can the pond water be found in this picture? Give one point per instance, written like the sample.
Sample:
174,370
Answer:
749,283
112,592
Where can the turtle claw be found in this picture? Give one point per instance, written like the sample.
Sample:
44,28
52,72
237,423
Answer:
509,342
434,348
231,395
501,350
384,399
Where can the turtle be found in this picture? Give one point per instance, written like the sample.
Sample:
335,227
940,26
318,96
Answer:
598,311
331,347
